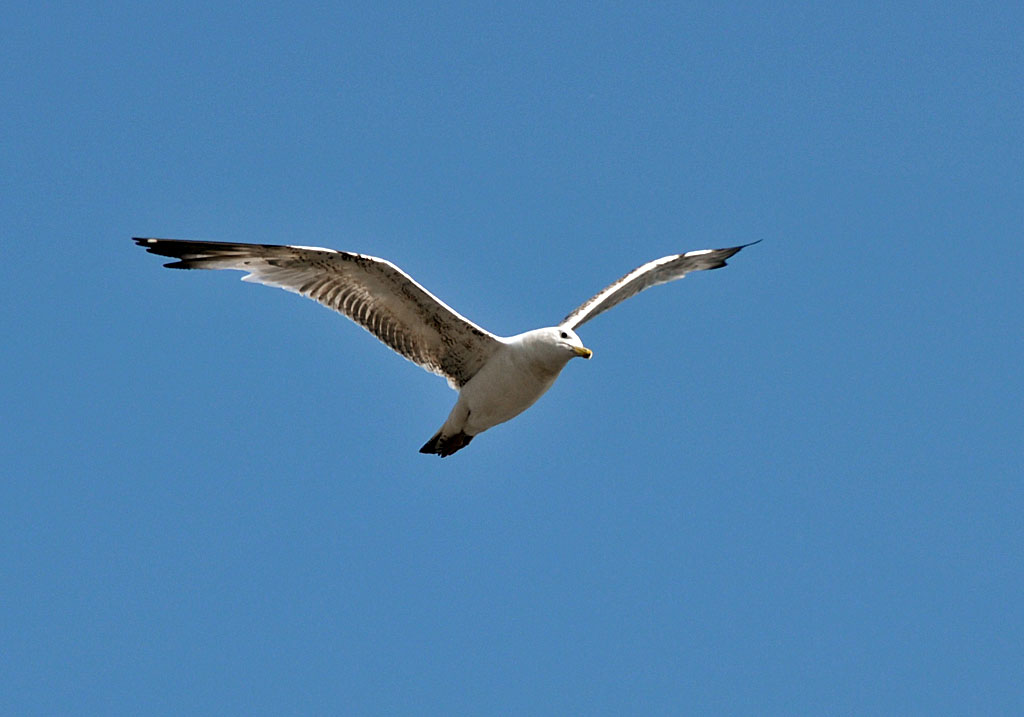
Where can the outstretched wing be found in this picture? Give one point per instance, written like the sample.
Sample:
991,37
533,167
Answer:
659,271
373,292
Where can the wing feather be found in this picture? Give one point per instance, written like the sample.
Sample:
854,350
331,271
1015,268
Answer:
372,292
659,271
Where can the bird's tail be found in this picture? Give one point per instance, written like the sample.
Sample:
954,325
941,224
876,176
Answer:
446,445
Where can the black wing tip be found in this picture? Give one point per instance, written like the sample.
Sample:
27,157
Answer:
152,243
149,244
157,246
162,247
730,252
735,249
157,241
173,248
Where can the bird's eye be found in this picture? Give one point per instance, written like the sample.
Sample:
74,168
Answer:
565,335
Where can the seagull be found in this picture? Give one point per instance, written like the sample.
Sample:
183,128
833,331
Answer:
497,377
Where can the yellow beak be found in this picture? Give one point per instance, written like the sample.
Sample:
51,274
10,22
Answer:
583,352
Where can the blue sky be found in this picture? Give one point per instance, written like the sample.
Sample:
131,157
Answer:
792,485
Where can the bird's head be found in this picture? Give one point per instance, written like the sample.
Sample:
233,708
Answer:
548,350
567,340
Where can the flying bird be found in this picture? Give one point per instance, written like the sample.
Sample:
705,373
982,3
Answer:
497,377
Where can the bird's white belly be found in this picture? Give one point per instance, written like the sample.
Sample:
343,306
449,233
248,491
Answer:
501,391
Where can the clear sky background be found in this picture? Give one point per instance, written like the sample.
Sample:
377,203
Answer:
794,484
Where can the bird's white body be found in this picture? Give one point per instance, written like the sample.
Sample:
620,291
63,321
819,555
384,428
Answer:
521,371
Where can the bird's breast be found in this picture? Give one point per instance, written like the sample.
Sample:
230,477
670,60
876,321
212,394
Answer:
503,389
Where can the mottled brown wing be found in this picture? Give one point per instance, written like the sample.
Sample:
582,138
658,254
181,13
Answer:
373,292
